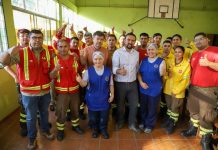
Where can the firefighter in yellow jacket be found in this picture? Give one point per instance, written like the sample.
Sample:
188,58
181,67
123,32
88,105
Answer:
177,80
168,56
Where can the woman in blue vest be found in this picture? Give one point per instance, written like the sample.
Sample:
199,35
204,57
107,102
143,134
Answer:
99,94
150,84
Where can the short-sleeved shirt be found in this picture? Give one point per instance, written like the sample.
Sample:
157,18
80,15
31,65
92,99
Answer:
204,76
90,50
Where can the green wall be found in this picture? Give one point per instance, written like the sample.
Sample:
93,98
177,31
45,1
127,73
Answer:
193,21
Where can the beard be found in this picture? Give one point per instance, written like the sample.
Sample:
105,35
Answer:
129,46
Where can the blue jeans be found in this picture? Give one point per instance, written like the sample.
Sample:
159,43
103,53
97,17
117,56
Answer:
32,104
99,119
148,109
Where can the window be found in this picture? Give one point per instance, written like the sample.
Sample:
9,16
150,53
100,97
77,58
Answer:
3,35
68,17
18,3
36,15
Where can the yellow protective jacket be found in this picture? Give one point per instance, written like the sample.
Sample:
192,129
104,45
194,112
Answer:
179,80
169,64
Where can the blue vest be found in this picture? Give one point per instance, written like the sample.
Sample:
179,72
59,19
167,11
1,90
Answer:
98,93
151,76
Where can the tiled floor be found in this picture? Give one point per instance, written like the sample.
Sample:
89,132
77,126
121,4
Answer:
123,139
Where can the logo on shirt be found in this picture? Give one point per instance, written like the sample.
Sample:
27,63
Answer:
44,58
107,78
156,66
180,71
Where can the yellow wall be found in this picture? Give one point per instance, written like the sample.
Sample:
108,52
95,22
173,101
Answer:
8,94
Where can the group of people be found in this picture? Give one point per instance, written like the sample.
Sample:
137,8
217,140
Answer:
139,77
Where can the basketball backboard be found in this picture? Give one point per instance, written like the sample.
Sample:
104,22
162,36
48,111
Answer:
163,9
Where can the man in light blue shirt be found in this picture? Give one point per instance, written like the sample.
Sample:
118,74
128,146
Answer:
125,66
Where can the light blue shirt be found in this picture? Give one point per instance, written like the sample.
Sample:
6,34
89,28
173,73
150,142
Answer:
128,60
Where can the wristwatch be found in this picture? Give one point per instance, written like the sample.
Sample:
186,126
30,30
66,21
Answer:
2,65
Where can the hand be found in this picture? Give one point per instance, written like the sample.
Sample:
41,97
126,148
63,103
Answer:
61,29
122,71
78,78
132,30
82,52
71,27
173,95
111,98
85,29
76,57
187,42
204,61
124,32
57,67
16,79
112,29
144,85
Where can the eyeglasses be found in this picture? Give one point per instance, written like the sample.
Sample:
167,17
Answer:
36,37
200,39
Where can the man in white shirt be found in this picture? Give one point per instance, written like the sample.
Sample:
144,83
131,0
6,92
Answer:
125,66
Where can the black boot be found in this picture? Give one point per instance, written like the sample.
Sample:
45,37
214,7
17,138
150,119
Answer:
165,122
192,131
78,130
23,129
105,134
163,111
52,107
206,142
170,127
60,135
82,116
95,133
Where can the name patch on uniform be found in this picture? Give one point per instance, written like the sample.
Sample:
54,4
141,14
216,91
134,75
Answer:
156,66
106,78
44,58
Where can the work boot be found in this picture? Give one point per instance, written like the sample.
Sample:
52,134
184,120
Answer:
105,134
23,129
78,130
166,122
48,135
191,131
95,133
32,144
170,127
82,116
60,135
163,111
206,142
52,107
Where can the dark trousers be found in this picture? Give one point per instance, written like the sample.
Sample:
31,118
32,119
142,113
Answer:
126,91
149,106
65,101
99,119
202,103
